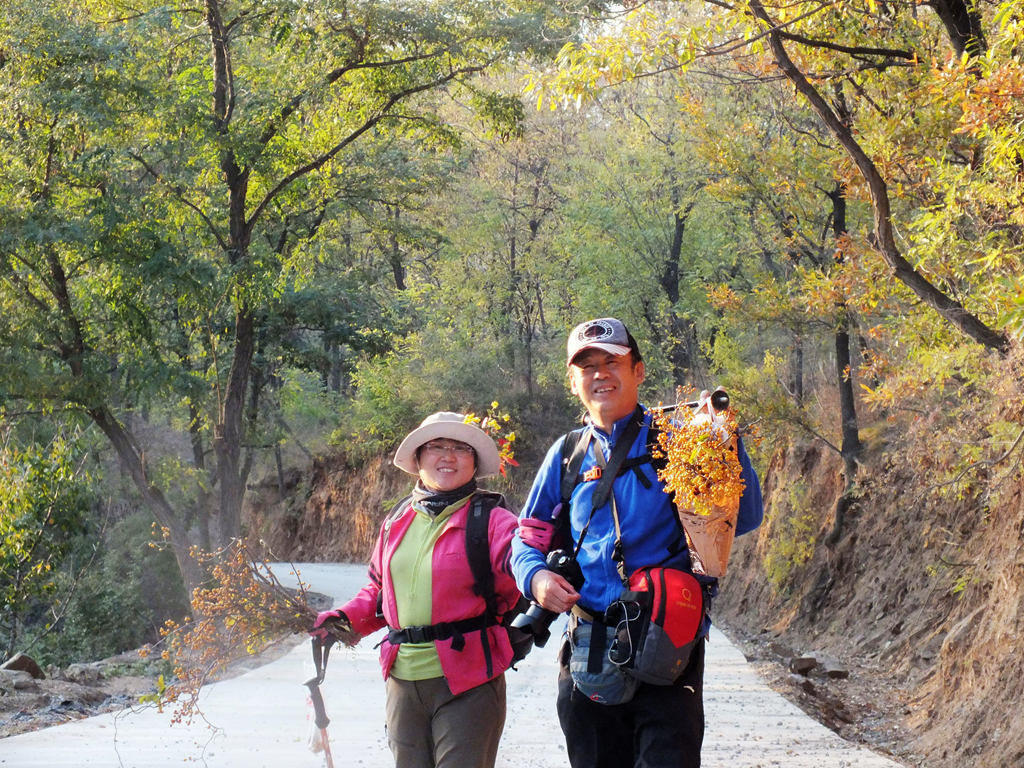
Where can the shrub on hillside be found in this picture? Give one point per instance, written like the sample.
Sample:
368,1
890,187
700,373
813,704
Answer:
121,600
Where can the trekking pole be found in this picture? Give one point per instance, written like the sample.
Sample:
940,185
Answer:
321,650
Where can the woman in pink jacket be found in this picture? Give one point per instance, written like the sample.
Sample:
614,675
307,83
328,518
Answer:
445,654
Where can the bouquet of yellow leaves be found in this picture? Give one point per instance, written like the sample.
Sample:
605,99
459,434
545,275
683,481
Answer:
703,474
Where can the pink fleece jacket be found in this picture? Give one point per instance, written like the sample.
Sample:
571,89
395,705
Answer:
452,595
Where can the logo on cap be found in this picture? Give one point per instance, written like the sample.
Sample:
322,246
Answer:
596,330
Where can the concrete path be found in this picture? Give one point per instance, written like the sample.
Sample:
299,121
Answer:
262,718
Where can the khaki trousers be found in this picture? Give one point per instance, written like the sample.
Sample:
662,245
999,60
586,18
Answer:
428,727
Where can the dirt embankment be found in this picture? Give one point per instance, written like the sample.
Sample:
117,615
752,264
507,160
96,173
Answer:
920,599
330,513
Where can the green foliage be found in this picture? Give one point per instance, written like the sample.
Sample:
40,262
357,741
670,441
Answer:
963,580
1012,317
305,403
794,534
391,392
45,497
502,114
121,600
395,392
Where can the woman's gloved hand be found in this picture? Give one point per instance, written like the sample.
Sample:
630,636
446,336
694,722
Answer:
334,624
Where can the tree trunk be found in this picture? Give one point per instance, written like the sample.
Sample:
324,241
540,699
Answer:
850,448
228,431
851,445
528,372
199,460
796,370
165,515
683,349
395,251
279,463
963,26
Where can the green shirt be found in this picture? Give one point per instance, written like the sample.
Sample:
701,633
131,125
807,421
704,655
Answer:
412,578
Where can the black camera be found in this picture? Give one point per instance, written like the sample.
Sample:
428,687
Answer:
535,620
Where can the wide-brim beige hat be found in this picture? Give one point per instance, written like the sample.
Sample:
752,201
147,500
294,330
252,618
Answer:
452,426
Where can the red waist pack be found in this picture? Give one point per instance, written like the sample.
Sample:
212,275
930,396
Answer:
656,621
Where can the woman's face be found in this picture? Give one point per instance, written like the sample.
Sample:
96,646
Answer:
444,464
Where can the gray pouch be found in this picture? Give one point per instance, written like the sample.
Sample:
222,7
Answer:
599,680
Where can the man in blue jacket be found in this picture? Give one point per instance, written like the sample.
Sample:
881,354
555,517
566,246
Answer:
661,726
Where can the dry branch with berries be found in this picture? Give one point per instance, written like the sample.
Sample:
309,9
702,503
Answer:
242,610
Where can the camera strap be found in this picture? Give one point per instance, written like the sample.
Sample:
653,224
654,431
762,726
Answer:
608,470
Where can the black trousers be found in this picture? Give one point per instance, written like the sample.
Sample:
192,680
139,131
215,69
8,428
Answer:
661,727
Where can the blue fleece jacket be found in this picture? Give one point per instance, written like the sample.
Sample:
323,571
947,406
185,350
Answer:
651,533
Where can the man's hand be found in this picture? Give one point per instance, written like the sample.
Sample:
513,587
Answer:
553,592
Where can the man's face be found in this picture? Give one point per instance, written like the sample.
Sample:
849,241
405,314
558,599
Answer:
608,385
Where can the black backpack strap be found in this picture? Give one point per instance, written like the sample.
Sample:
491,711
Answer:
394,514
610,470
478,553
575,445
658,462
615,461
478,550
574,450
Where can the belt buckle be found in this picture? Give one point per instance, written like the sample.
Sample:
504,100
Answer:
416,634
594,473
